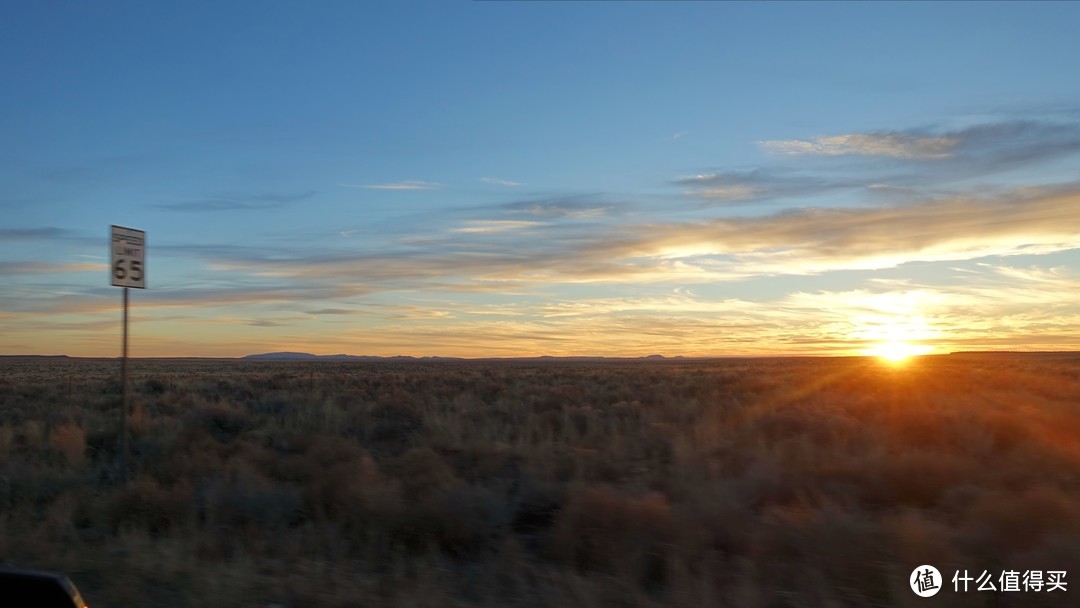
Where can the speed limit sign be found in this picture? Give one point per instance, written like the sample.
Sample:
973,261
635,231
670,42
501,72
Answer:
128,267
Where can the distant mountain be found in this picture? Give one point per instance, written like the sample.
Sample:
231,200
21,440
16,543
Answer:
293,356
283,355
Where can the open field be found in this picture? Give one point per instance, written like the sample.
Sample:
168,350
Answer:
744,483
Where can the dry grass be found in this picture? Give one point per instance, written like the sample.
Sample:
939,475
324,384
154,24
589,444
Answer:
749,483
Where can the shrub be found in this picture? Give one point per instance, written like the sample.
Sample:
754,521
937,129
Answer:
810,482
604,531
222,421
250,504
70,440
421,472
147,506
392,426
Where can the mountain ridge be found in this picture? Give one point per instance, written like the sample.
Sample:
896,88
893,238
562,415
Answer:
299,356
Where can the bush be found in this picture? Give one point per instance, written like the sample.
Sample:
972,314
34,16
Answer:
222,421
147,506
70,440
808,482
605,531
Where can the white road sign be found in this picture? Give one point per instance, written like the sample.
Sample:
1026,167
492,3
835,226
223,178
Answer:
128,249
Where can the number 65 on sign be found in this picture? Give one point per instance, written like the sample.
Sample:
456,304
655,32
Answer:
128,267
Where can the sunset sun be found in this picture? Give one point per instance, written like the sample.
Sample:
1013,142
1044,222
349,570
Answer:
898,351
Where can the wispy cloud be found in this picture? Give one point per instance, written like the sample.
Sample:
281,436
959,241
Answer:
1049,276
493,226
896,144
817,240
33,234
798,242
500,182
31,268
405,185
732,192
509,274
754,184
639,326
977,149
891,190
728,193
331,311
1002,306
894,166
266,323
418,312
1002,146
238,202
570,207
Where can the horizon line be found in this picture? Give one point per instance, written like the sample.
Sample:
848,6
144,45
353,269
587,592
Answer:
302,356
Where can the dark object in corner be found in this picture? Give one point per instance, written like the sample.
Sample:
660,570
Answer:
37,589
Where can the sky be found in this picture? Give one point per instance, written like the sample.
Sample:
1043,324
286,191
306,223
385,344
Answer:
499,179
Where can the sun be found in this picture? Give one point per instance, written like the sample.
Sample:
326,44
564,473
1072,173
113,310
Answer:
893,326
899,351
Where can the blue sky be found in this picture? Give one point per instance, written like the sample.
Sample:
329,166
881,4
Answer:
474,179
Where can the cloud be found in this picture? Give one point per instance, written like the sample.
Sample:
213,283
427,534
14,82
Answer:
754,184
821,322
528,256
679,303
895,144
331,311
33,268
1004,306
995,147
815,240
493,226
239,202
217,296
483,261
417,312
734,192
405,185
1049,276
571,207
266,323
915,164
892,190
818,240
797,242
500,182
199,299
33,234
80,300
977,149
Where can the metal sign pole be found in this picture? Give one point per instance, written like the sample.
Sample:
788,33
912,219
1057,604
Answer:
124,391
127,250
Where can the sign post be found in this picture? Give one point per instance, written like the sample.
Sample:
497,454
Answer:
127,248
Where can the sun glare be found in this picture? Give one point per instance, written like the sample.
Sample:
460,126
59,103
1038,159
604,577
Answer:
898,352
894,326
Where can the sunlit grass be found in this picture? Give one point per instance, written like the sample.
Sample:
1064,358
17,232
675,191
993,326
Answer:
631,484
